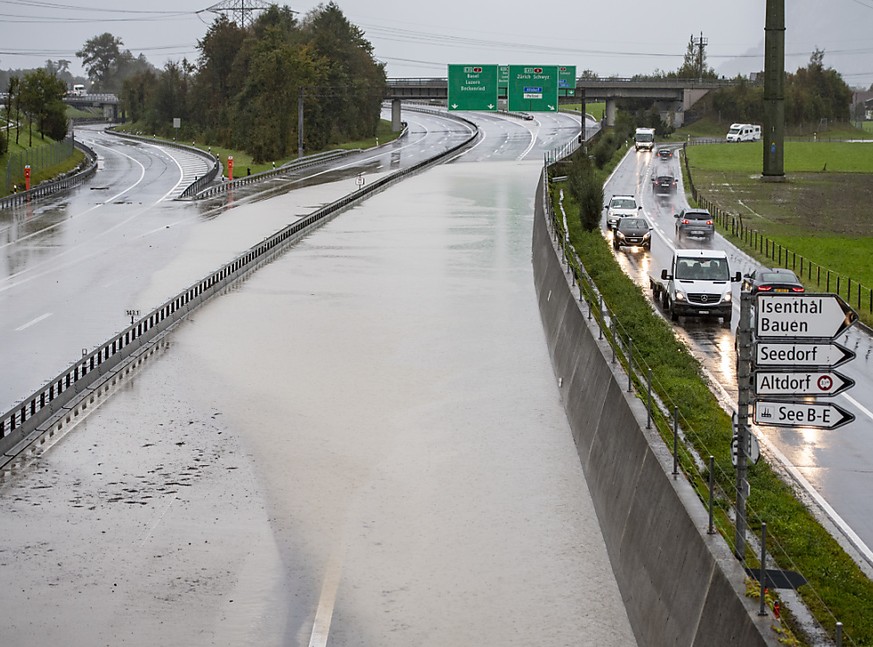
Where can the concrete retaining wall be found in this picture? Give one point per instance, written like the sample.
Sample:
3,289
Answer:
681,586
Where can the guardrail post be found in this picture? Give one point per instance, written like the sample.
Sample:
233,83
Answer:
600,323
630,363
675,442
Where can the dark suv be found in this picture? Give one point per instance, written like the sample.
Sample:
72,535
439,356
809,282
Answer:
665,183
694,222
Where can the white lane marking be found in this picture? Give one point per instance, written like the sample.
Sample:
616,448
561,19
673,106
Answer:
33,322
167,152
860,406
327,599
158,520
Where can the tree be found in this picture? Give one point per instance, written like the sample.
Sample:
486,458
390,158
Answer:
42,97
100,56
694,62
587,190
815,93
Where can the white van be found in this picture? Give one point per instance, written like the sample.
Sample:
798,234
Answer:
744,133
78,90
644,138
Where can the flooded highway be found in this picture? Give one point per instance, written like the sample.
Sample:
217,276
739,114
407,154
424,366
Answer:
360,444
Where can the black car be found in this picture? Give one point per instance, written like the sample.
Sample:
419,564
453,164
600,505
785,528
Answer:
632,232
694,222
665,153
664,184
776,280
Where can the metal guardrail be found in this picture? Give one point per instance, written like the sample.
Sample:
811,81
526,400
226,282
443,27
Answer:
35,415
48,188
200,182
200,190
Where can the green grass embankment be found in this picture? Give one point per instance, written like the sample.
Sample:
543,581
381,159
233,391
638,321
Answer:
837,588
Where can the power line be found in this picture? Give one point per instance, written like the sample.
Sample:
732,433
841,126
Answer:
242,10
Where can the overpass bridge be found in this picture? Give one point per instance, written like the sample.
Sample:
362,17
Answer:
672,96
108,103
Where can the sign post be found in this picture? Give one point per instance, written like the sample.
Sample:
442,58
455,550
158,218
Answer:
791,347
27,177
230,168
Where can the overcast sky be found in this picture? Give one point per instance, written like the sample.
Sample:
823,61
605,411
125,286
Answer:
418,39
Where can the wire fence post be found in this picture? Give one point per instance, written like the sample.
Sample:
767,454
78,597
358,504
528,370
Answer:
630,362
649,403
711,530
675,442
761,610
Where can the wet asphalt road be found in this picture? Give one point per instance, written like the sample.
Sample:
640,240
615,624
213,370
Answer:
361,444
834,468
72,265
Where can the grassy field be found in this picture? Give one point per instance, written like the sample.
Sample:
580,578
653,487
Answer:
820,212
596,108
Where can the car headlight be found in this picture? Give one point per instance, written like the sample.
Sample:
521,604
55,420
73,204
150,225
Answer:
727,297
648,234
619,234
680,295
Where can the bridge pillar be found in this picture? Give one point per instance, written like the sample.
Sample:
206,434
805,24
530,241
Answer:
610,111
396,125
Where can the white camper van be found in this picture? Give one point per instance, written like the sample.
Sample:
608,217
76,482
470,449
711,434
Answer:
78,90
744,133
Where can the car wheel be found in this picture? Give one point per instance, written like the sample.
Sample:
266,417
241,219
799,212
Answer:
673,315
665,301
727,319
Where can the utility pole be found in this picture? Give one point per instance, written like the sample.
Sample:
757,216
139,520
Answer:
774,92
241,10
701,46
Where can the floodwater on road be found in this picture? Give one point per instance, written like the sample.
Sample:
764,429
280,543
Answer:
361,444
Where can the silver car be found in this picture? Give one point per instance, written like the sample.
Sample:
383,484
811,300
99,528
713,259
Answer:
694,223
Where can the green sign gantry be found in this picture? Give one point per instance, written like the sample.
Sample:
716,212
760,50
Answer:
533,88
472,87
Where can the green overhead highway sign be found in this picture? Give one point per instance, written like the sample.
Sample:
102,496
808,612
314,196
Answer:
472,87
533,88
567,80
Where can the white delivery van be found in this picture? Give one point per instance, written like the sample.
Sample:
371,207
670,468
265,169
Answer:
644,138
744,133
78,90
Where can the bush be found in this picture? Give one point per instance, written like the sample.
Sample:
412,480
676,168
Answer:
587,189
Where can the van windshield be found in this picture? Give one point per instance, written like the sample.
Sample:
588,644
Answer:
644,137
734,131
708,269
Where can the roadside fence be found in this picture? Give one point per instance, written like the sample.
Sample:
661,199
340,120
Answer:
59,152
712,480
856,295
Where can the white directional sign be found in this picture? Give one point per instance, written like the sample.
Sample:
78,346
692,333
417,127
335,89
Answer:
805,316
790,354
801,414
826,383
